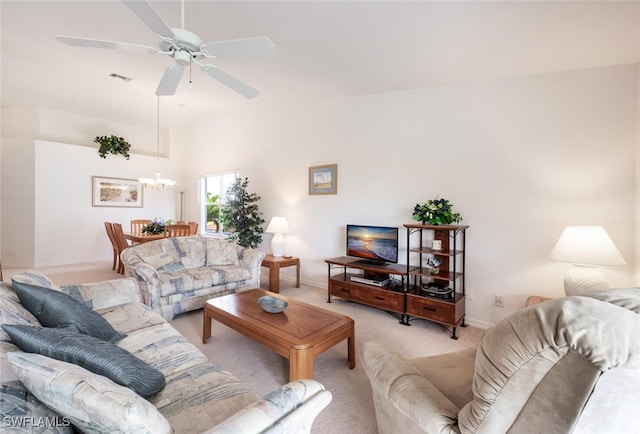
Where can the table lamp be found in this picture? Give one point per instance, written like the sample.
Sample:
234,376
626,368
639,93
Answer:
586,247
277,227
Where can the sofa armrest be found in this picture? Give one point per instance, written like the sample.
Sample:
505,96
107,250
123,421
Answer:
146,273
109,293
399,386
148,279
291,408
251,258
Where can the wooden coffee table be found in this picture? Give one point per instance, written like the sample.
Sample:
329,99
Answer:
299,333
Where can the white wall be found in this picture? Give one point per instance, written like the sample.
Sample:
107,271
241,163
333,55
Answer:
47,217
17,217
57,126
520,159
636,250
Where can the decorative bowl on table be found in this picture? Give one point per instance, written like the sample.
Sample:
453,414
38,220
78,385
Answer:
272,304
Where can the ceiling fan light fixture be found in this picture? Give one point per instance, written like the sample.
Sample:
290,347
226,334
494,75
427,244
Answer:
182,57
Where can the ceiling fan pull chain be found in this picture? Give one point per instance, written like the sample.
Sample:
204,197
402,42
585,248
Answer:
190,63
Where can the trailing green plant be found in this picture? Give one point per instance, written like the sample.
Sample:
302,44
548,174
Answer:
436,212
240,216
112,145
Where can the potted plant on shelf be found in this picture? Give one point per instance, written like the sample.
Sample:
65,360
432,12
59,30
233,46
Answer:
112,145
240,216
436,212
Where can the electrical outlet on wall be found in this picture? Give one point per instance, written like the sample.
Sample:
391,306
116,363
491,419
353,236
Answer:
469,294
499,300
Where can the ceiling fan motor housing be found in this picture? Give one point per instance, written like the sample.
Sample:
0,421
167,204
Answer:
184,45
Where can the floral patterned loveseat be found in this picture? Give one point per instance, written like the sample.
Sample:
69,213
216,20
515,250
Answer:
40,393
180,274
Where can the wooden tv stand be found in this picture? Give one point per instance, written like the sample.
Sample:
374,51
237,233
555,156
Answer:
403,294
389,297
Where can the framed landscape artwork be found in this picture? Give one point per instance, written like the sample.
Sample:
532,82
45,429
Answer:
116,192
323,179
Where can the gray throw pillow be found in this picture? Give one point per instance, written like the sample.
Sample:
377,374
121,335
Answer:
56,309
93,354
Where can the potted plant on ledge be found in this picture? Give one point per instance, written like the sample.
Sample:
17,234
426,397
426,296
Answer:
112,145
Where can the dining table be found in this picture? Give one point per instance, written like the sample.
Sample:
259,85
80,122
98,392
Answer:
139,237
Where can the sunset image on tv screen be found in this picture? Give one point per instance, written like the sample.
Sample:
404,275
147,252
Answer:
375,243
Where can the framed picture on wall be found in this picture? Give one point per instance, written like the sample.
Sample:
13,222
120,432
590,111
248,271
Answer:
116,192
323,179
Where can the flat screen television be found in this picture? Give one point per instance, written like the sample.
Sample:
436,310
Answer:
373,244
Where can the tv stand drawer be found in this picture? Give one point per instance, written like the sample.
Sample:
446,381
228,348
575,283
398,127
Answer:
367,294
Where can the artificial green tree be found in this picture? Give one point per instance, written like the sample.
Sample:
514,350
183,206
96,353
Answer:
240,216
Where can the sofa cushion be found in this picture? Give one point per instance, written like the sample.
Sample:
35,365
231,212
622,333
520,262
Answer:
20,411
164,348
92,402
197,399
127,318
221,252
197,251
34,278
172,254
95,355
55,309
160,261
100,295
12,312
189,280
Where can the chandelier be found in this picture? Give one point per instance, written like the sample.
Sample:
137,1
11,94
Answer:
157,183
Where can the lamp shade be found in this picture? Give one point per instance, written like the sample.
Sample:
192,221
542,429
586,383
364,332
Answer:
586,245
278,225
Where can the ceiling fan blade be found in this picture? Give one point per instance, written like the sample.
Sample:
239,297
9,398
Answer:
229,80
149,16
250,47
170,80
99,43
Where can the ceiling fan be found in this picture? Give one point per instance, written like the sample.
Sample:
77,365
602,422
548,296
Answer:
185,48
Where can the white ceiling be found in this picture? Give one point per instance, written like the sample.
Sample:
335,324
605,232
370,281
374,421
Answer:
325,49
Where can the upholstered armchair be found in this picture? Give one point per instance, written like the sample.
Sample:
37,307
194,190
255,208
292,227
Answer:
565,365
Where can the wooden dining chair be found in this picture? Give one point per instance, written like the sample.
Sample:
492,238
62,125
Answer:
116,259
136,225
121,242
177,230
194,228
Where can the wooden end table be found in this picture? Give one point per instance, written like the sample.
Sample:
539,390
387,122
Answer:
300,333
275,263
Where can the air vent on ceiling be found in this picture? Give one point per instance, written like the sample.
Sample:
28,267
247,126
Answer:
121,77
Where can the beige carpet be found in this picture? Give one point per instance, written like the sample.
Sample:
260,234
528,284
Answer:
351,410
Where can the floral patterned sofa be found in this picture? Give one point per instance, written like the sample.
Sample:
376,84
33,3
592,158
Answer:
180,274
197,395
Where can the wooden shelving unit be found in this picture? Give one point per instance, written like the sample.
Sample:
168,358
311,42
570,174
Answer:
438,297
